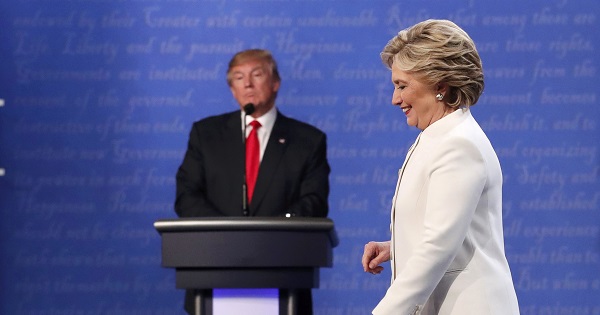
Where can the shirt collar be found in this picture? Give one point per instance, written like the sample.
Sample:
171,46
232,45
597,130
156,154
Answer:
448,122
266,121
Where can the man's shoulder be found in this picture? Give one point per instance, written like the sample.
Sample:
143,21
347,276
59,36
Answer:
218,120
295,125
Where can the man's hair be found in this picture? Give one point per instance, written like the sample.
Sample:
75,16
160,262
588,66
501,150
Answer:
250,55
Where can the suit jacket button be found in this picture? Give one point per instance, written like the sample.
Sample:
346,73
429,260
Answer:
245,213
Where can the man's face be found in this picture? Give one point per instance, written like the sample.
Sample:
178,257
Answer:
252,82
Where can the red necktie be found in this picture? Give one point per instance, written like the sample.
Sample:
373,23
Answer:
252,158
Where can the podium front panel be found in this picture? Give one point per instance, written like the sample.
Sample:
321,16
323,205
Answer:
246,249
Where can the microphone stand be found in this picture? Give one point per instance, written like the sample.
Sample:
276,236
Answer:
248,110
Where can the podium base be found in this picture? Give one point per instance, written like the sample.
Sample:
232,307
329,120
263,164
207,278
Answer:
245,301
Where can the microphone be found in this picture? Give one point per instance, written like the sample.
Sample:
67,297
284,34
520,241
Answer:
248,110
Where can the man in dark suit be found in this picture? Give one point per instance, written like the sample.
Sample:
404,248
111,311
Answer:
293,174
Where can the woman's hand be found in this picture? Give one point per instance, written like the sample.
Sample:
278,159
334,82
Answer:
375,253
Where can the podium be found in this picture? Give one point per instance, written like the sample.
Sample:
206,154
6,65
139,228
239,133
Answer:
246,252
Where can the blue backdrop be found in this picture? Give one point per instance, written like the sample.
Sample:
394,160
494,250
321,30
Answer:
98,97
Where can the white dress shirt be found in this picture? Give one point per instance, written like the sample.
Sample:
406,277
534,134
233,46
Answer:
266,121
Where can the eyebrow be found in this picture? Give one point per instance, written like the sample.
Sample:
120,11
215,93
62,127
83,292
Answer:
252,70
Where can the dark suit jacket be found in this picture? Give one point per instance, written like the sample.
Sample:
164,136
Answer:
292,178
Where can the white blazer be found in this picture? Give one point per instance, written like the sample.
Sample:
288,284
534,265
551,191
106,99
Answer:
447,245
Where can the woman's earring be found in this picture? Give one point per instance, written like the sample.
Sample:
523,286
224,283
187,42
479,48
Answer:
439,96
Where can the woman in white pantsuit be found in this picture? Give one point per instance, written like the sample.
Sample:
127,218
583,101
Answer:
447,245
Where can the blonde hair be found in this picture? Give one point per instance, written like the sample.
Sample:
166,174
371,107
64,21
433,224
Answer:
438,51
250,55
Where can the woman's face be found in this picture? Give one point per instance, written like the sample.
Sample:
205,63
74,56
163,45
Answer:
416,99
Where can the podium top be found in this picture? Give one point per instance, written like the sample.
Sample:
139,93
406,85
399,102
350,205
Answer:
308,224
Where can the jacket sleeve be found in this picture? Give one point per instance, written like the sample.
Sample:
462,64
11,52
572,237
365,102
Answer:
190,199
314,185
456,179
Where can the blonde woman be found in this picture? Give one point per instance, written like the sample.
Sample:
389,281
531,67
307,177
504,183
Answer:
447,245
